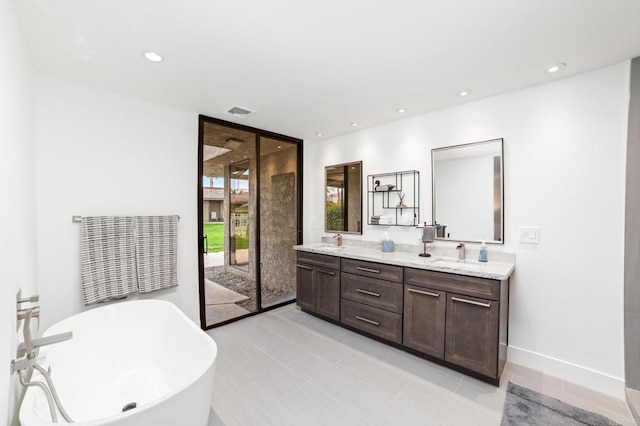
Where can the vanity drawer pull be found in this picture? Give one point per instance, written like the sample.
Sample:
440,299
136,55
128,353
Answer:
368,321
322,271
426,293
308,268
370,293
471,302
374,271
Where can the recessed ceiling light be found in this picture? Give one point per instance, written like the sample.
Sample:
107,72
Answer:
319,134
153,57
401,110
464,93
354,124
556,68
279,146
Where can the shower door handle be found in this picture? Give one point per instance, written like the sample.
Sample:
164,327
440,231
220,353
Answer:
205,248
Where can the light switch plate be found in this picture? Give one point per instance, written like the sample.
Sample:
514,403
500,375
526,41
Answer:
530,234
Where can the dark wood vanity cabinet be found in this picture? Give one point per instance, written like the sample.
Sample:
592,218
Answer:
318,284
472,333
457,318
370,303
424,320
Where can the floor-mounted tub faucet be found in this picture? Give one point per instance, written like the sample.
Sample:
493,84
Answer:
461,252
26,359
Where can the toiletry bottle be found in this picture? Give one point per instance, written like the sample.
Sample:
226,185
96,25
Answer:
483,253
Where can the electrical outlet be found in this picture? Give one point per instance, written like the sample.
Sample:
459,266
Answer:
529,234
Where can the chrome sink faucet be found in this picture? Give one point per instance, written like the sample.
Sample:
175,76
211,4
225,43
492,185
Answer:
338,239
461,252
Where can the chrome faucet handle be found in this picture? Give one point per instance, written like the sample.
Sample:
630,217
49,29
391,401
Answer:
26,315
461,252
33,313
32,299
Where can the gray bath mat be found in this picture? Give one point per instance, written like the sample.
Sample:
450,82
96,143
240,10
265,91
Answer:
524,407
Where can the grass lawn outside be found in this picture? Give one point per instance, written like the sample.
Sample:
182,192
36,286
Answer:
215,238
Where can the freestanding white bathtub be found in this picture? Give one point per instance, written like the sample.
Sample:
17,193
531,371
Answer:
142,351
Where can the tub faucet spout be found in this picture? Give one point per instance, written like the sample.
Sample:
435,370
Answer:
26,360
43,341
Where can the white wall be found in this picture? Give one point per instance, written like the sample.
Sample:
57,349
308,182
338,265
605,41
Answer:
564,161
99,153
17,191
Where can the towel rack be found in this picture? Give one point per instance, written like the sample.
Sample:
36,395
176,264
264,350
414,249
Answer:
78,219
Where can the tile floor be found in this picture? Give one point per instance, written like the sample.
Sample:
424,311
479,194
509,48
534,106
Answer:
287,367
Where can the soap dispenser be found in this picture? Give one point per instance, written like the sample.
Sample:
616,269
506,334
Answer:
483,253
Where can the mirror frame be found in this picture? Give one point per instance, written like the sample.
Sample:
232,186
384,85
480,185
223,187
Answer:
324,202
500,198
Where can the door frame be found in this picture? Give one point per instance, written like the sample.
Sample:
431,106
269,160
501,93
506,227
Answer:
259,133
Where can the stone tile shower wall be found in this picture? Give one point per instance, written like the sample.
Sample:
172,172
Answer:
278,224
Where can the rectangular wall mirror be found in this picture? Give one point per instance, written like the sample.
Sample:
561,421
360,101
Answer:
343,198
468,188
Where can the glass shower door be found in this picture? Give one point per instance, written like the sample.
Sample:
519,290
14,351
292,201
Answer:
278,220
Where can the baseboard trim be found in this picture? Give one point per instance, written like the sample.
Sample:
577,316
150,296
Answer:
578,374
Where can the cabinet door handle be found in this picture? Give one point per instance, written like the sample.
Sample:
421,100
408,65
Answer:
374,271
322,271
426,293
368,321
471,302
370,293
308,268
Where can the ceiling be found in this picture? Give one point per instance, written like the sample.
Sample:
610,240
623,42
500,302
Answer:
224,145
311,67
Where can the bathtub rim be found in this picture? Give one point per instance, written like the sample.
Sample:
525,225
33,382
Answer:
32,417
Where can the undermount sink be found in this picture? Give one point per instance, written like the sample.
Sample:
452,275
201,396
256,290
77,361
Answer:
468,264
330,247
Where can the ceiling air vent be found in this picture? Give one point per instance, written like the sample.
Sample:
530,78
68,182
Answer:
240,112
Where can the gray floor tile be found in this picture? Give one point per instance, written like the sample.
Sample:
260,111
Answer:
489,396
286,367
256,407
420,368
315,407
279,348
378,408
382,377
329,378
233,346
446,408
273,376
322,347
371,347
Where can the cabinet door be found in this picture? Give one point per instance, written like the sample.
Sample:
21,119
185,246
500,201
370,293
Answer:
327,293
424,319
305,287
472,333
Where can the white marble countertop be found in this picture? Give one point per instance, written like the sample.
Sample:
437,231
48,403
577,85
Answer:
497,270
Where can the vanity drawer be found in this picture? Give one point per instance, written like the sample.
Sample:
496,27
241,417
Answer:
373,270
378,293
461,284
322,260
381,323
